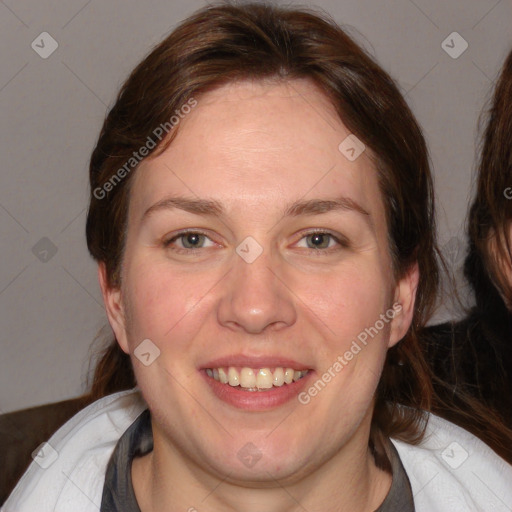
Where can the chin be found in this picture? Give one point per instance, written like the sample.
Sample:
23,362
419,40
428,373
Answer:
258,462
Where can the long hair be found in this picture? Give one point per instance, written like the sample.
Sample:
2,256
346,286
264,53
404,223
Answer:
225,43
491,210
472,381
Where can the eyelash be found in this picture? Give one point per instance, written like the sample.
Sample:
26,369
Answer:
181,250
342,242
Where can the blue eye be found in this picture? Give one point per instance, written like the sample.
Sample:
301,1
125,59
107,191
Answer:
192,240
321,240
188,241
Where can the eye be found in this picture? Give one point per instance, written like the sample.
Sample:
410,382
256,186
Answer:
188,241
318,240
321,240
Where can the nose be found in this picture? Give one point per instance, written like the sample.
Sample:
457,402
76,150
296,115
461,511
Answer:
256,297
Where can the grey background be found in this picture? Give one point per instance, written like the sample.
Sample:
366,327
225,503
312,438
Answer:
52,110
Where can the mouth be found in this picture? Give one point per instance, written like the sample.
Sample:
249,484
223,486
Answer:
256,383
255,379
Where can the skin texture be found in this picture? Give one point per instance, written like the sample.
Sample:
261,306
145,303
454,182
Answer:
256,148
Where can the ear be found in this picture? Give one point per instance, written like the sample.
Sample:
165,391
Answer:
114,306
404,300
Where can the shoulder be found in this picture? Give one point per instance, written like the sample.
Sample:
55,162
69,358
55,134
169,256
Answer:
69,473
452,470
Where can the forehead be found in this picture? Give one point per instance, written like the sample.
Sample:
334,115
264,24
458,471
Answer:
260,144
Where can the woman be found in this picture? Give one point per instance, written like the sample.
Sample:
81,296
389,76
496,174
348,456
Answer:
261,212
474,356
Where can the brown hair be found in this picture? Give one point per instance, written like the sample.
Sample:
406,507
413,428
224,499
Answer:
486,265
224,43
466,353
491,210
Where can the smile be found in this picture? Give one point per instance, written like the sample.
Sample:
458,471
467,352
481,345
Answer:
259,379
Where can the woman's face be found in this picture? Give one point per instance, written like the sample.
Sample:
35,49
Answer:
254,245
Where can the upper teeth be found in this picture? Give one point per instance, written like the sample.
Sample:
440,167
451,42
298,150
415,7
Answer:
252,379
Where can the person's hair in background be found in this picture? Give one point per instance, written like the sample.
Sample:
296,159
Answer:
224,44
472,358
488,266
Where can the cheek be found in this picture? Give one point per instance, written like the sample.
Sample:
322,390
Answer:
163,303
356,348
347,301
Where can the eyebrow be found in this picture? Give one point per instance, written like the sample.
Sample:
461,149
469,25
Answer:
191,205
215,208
319,206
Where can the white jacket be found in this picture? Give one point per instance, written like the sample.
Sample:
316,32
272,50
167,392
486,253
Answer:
450,471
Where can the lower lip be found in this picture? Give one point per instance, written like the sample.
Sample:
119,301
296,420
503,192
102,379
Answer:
257,400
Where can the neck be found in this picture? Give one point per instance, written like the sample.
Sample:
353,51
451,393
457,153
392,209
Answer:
349,481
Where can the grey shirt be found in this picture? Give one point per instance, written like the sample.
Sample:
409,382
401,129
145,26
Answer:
119,496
